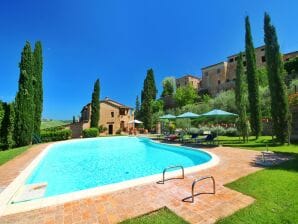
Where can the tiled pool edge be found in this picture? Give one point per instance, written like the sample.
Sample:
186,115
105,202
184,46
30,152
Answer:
10,191
7,194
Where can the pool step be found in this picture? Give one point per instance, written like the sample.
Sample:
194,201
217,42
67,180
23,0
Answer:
30,192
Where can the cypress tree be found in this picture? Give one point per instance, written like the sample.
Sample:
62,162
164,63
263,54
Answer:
137,109
95,105
1,112
279,102
37,86
240,98
252,81
24,104
7,126
149,86
148,94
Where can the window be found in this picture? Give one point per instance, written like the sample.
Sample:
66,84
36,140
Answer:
262,49
122,111
234,79
206,73
228,80
218,70
244,63
263,59
218,82
236,58
231,60
112,114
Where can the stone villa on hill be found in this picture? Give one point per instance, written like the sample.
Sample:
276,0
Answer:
113,115
189,80
221,76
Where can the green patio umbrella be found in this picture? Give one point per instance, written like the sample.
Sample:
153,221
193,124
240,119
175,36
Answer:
167,116
188,115
217,114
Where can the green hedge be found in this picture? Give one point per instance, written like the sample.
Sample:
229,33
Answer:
90,133
220,130
50,136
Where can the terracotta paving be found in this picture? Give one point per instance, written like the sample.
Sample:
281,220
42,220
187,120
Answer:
118,206
10,170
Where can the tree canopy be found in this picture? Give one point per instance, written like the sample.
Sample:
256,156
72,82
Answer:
185,95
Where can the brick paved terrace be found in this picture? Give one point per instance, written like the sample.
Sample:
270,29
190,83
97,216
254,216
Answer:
131,202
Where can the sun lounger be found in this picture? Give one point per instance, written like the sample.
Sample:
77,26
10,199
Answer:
193,138
171,138
208,139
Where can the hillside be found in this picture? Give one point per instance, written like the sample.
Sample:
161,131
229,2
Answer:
53,123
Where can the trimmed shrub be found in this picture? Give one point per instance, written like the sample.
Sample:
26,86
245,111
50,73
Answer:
50,136
203,128
90,133
221,131
57,128
231,132
218,130
102,129
194,131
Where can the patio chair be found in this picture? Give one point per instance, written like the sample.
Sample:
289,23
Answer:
171,138
193,138
209,139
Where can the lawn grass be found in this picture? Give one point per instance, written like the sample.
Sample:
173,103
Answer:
275,191
7,155
260,144
162,216
275,188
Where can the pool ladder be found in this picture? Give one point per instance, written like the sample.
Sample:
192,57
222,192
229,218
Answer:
193,187
168,168
193,183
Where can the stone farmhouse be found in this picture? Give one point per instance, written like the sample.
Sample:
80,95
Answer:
114,117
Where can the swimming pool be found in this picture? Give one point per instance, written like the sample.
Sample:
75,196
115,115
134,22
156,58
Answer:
78,165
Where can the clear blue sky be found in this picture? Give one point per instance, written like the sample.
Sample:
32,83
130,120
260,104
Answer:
117,41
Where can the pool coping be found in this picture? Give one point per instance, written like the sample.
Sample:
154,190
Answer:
6,208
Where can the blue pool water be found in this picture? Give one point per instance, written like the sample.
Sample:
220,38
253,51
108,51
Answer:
78,165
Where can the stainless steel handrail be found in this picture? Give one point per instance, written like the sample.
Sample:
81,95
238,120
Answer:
170,167
198,180
193,186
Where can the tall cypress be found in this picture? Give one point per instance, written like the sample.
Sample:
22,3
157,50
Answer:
137,109
240,98
95,105
37,87
7,126
149,85
148,94
279,102
24,104
252,81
